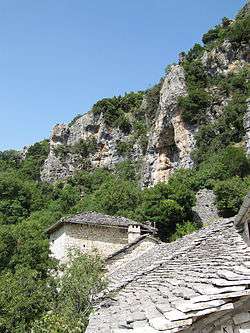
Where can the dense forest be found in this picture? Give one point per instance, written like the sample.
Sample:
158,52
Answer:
31,297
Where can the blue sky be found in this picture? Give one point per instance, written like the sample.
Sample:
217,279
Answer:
57,57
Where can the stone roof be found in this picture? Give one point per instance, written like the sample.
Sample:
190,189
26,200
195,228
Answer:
92,218
170,287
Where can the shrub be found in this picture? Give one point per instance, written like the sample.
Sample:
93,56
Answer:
127,170
151,101
230,194
89,181
113,109
34,159
195,52
194,106
166,205
82,279
123,148
123,124
84,148
239,31
183,230
222,165
227,129
113,197
61,151
18,197
196,76
211,35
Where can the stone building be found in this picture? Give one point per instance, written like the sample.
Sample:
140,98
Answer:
106,234
199,283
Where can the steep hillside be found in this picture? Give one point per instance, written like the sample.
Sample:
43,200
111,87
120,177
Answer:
163,128
191,129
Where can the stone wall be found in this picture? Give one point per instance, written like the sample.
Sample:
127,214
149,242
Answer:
87,238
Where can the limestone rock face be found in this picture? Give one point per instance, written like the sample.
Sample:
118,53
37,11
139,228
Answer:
170,141
224,59
86,127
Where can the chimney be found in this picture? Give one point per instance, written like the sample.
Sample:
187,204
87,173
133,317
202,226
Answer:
134,231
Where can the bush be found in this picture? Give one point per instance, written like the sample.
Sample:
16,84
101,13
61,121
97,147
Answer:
151,101
211,35
34,159
195,52
218,135
123,148
89,181
166,205
114,197
222,165
196,76
82,279
23,297
114,109
239,31
194,105
234,82
9,159
140,134
127,170
18,198
123,124
184,229
62,151
84,148
230,194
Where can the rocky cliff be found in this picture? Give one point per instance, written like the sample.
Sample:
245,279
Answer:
167,140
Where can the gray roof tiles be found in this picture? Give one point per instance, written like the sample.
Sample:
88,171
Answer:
172,285
93,218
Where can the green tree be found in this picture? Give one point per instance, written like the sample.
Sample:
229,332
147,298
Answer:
83,278
166,205
230,194
24,296
115,197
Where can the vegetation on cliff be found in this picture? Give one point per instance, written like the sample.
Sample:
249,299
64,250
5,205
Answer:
29,294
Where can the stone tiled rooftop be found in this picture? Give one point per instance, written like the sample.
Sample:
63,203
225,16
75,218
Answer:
170,287
93,218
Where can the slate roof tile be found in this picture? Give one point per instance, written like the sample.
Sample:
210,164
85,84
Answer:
93,218
173,284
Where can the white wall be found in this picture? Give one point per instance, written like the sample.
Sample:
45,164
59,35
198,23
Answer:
87,238
57,243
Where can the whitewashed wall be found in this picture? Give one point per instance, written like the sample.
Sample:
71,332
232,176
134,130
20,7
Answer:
105,240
